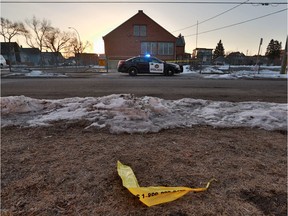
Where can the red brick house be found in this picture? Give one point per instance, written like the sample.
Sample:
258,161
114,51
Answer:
141,35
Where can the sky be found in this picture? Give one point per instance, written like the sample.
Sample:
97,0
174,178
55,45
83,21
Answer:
95,20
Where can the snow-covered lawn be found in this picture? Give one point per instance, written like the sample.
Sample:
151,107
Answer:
236,72
208,72
127,113
30,73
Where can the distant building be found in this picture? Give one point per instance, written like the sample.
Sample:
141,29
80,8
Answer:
236,58
141,35
30,56
52,58
11,52
87,58
34,57
220,60
204,55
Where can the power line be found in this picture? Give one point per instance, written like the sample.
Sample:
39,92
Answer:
138,2
235,24
211,17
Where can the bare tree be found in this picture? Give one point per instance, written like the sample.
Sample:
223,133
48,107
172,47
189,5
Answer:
39,30
73,48
9,30
78,47
56,41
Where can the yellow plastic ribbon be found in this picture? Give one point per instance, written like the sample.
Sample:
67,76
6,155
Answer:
152,195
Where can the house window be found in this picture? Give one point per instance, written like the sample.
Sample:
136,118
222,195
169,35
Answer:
149,48
165,48
157,48
140,30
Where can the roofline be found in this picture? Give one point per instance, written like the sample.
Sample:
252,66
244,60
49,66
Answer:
203,49
119,26
139,11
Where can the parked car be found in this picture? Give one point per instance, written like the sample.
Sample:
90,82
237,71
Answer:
148,64
2,62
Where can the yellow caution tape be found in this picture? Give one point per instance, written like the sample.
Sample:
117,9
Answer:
152,195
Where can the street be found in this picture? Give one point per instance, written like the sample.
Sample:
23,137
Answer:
176,87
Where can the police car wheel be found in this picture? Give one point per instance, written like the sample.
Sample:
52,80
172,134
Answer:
169,72
132,71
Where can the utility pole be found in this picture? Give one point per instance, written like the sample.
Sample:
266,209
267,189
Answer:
284,60
257,62
197,34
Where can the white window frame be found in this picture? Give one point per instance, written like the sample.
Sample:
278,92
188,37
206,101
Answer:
165,48
149,48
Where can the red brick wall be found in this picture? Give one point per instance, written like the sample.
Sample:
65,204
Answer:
122,44
180,52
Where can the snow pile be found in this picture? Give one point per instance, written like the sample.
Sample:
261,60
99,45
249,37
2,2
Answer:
20,104
127,113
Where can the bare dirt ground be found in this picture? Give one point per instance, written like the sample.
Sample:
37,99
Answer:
65,170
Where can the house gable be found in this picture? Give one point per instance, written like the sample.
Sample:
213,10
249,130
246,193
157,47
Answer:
139,19
122,42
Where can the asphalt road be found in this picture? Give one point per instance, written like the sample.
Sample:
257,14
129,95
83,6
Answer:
176,87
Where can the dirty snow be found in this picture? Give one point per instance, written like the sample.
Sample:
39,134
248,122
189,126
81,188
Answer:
127,113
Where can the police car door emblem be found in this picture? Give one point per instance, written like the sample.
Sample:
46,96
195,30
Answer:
156,67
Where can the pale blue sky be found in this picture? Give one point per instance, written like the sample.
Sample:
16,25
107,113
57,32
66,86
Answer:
93,21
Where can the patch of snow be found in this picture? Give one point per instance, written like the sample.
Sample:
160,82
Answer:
248,74
238,72
33,73
130,114
37,73
97,66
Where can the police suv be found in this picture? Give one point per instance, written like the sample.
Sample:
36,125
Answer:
147,64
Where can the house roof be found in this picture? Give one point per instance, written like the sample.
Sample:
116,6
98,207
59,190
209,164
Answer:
30,51
234,54
203,49
141,15
220,59
5,47
49,54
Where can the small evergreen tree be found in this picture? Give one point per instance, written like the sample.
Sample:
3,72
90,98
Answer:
219,50
273,50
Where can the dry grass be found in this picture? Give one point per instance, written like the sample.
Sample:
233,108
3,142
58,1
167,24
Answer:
65,170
